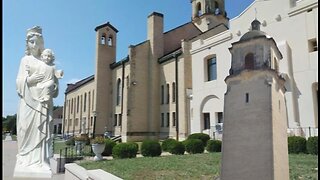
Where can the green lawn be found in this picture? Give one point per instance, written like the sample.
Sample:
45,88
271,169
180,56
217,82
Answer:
196,166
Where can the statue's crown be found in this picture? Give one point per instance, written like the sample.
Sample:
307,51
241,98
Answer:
35,30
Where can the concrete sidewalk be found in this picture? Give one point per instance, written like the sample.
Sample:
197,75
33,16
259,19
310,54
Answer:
9,152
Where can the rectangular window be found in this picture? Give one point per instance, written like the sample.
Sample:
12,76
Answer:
162,119
312,44
78,104
173,119
70,122
206,120
247,97
162,94
168,93
76,123
120,119
220,117
85,102
173,92
93,100
91,121
115,120
168,119
212,68
71,106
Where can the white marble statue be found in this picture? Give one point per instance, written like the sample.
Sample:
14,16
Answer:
37,85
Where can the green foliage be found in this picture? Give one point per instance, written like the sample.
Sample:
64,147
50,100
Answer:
167,143
194,146
151,148
10,123
109,144
203,137
312,145
70,142
213,146
297,144
177,147
125,150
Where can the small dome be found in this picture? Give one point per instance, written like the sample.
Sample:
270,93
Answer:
255,31
252,34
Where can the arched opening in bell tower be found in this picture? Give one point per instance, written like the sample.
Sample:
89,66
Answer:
198,9
249,61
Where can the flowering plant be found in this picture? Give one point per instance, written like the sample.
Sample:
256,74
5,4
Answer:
98,140
80,138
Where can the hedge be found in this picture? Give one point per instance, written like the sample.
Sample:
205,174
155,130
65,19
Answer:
203,137
213,146
312,145
194,146
151,148
109,144
297,144
125,150
166,144
177,147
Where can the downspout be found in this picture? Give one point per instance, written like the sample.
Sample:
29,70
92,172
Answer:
176,55
122,89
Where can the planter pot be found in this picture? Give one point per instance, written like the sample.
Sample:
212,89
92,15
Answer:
98,149
79,146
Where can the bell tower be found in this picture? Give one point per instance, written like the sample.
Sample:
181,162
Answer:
254,141
106,41
207,14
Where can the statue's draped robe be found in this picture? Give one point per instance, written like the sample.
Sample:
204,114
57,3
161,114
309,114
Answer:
34,119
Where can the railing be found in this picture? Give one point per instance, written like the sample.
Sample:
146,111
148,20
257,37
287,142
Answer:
73,153
303,131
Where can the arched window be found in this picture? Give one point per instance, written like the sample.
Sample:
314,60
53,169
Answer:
103,39
199,11
216,8
249,61
212,68
85,102
110,41
118,91
78,104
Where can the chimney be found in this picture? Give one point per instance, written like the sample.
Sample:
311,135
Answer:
155,33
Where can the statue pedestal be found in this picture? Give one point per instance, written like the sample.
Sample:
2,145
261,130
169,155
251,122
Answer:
31,172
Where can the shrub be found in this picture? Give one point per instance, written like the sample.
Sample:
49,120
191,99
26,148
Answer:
150,148
125,150
312,145
167,143
109,144
70,142
213,146
203,137
194,146
177,147
297,144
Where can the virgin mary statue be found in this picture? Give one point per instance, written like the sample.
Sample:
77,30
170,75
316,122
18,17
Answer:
34,117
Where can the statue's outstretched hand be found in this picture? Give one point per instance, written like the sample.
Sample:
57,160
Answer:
34,78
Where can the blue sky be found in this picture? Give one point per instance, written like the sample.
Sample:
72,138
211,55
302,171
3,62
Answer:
68,29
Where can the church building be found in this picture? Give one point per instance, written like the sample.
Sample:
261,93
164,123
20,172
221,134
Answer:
172,84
